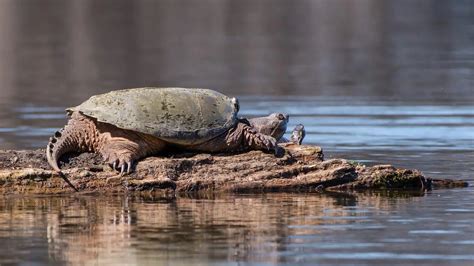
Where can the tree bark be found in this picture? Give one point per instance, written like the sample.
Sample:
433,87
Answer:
297,169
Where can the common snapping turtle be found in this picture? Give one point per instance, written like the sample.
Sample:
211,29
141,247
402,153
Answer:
127,125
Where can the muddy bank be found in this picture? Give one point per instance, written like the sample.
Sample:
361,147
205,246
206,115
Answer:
298,169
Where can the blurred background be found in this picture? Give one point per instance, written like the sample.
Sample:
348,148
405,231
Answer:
56,52
390,76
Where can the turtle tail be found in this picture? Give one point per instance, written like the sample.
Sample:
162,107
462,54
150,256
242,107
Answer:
60,143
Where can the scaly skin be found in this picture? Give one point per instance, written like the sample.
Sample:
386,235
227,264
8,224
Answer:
240,138
79,135
118,147
121,148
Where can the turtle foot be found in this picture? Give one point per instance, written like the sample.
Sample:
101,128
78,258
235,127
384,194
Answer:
260,141
122,162
269,142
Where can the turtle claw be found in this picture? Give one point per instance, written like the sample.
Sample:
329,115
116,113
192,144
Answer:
129,167
123,166
270,143
122,170
126,168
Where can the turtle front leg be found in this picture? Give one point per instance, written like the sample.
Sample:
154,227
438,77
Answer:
245,137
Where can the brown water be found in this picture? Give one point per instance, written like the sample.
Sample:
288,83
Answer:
373,81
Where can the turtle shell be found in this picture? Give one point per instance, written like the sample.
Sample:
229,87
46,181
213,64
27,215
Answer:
177,115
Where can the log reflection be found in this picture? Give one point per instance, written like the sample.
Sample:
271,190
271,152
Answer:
138,229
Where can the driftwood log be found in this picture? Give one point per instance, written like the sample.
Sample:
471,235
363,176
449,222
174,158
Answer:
297,169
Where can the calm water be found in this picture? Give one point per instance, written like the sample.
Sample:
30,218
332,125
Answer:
340,229
372,81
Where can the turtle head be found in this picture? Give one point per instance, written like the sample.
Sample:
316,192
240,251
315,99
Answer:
273,125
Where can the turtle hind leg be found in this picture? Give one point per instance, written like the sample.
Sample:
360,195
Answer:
122,148
120,154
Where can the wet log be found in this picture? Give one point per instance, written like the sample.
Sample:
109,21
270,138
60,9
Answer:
296,169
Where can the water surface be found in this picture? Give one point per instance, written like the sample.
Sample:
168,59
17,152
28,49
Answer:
434,228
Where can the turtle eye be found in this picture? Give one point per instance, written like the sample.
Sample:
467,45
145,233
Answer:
281,116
